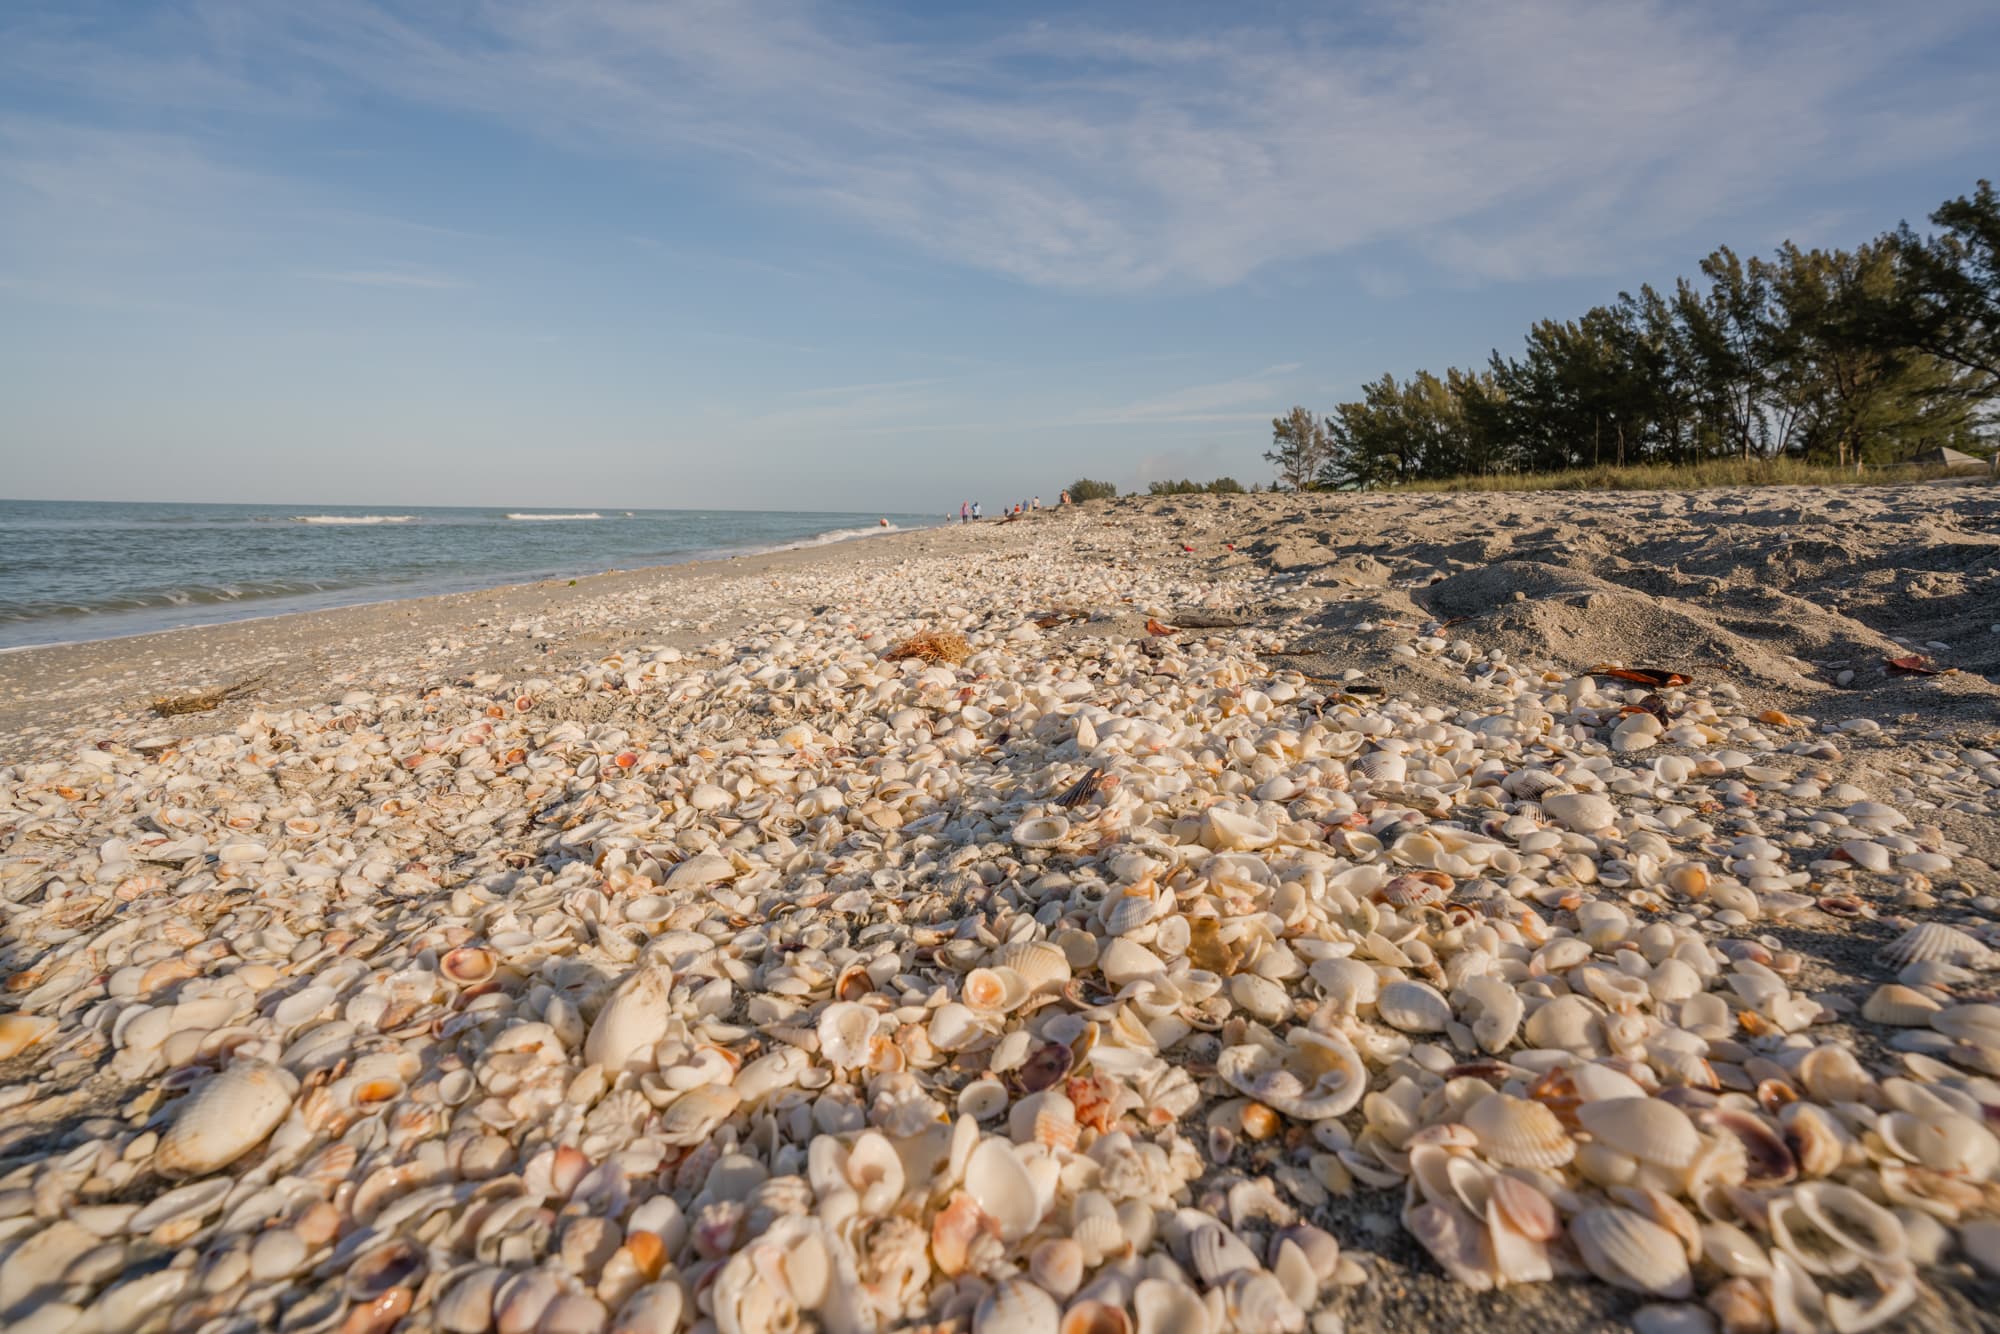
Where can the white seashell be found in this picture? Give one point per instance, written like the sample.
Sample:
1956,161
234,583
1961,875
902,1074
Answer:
1001,1186
227,1116
982,1099
1162,1306
1381,766
1531,784
1899,1006
954,1026
1582,812
1977,1024
845,1028
1518,1132
1124,962
1057,1266
1936,941
1631,1252
993,991
631,1023
1863,1226
1044,831
700,872
1413,1007
1318,1075
1226,831
1040,963
1643,1128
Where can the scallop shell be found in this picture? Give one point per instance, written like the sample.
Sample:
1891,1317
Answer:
695,1115
1645,1128
226,1117
1519,1132
1413,1007
1016,1306
1631,1252
1040,963
1381,766
1936,941
1057,1266
1899,1006
1533,784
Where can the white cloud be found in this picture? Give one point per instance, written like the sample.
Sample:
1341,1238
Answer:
1527,139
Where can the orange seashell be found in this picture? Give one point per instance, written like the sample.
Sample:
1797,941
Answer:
626,759
516,755
524,703
953,1231
495,711
648,1252
377,1090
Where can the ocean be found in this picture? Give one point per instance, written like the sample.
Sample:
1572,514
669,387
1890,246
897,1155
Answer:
74,570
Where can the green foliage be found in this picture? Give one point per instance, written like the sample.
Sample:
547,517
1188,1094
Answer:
1826,358
1084,489
1220,486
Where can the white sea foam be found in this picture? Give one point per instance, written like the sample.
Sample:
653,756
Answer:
838,535
551,517
354,518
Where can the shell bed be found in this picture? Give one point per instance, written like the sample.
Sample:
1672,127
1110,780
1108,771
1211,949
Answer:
1095,983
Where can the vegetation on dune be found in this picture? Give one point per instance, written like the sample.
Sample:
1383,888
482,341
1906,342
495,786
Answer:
1826,359
1084,489
1221,486
1682,477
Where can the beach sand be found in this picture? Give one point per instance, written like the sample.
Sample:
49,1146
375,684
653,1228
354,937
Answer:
1775,602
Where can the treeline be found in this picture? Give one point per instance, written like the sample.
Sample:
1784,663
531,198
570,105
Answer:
1831,357
1085,489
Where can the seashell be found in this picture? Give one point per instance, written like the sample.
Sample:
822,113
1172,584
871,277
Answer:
18,1032
700,872
1215,1252
1519,1132
993,991
1043,831
1581,812
1832,1073
1767,1159
694,1115
1002,1189
1567,1023
1531,784
845,1028
1523,1208
1644,1128
1413,1007
1381,766
1057,1266
1095,1317
1976,1024
467,966
631,1023
1899,1006
1161,1306
1934,941
226,1116
1848,1216
1040,963
1315,1077
467,1305
1631,1252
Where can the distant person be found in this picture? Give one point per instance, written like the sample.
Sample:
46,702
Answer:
964,511
975,511
1038,504
1065,498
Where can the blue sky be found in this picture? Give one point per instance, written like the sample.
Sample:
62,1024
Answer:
800,255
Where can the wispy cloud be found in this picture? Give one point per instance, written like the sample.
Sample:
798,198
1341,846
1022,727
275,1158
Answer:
1527,139
1204,402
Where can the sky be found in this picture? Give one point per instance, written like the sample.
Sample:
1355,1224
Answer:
793,255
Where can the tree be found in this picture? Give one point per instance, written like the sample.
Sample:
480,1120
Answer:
1300,448
1084,489
1948,304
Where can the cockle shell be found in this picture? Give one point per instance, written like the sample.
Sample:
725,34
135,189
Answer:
631,1023
1583,812
1899,1006
994,991
1936,941
1519,1132
1643,1128
226,1116
1041,964
1631,1252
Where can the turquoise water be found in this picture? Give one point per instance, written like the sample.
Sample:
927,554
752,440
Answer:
75,570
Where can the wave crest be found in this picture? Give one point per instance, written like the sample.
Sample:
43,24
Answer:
555,517
354,518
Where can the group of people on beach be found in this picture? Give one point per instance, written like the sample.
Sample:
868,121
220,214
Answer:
969,512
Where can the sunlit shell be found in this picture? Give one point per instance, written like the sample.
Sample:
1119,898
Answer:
993,991
1041,964
1315,1077
1864,1226
1899,1006
225,1117
1002,1188
1518,1132
845,1028
1044,831
468,966
1935,940
1583,812
1631,1252
1645,1128
18,1032
1413,1007
635,1018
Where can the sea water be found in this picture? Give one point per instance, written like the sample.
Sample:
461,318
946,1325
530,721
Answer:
87,570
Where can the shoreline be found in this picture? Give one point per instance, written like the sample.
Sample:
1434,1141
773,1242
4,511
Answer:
363,596
438,849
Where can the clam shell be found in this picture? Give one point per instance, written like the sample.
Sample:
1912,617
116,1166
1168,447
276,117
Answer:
1899,1006
1413,1007
993,991
1582,812
227,1116
631,1023
1631,1252
1316,1076
1162,1306
1002,1188
1043,831
845,1028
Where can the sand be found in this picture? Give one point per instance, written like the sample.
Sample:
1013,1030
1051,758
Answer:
1797,596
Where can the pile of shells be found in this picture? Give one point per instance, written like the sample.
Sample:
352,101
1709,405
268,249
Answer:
1070,988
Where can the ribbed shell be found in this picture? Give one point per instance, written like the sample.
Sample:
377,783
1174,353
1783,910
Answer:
1645,1128
1518,1132
1935,940
225,1118
1631,1252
